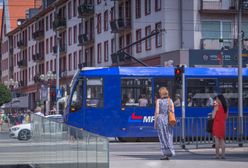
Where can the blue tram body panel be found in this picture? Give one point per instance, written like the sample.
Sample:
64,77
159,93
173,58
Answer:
113,120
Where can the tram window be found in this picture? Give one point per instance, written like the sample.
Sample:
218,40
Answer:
229,88
201,92
136,92
245,92
174,92
94,92
77,97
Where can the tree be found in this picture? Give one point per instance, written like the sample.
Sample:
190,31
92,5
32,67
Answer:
5,94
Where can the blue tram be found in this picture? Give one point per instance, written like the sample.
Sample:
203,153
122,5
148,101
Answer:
120,101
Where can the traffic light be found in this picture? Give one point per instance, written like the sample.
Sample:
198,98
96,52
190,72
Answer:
179,70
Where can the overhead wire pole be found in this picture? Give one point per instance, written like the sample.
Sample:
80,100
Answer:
240,75
58,72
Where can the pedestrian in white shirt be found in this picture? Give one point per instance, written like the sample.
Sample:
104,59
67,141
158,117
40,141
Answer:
38,111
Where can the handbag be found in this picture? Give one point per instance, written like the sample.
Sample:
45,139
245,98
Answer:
210,123
171,114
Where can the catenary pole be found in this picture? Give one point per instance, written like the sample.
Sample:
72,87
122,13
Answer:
58,72
240,75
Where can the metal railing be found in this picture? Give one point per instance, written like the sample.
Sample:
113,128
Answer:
62,146
196,134
218,5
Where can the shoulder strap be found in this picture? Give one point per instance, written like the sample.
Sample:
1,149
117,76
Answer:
169,104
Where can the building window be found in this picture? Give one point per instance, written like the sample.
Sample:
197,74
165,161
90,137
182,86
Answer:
80,60
147,7
70,36
129,41
158,26
74,8
106,20
51,20
51,44
99,53
216,29
47,66
138,37
75,59
29,34
80,28
47,22
75,34
112,13
157,5
47,48
112,46
121,42
51,65
69,10
138,8
106,51
148,41
29,53
69,62
99,23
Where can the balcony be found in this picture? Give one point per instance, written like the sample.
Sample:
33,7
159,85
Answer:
22,63
59,24
218,7
85,10
214,43
119,25
62,49
38,57
21,44
38,35
86,39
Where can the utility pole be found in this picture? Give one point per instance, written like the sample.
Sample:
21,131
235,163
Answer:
240,75
58,72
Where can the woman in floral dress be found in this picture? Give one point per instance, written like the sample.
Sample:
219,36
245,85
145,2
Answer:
162,125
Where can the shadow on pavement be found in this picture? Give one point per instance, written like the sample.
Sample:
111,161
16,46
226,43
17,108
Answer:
188,155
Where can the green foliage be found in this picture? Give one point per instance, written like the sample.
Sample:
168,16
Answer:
5,94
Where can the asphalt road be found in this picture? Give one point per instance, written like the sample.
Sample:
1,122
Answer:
123,155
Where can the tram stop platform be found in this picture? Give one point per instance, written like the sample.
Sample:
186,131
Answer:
188,158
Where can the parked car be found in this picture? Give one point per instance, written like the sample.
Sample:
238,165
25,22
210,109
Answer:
23,131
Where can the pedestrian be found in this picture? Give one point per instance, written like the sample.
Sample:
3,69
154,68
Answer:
38,111
219,115
27,117
164,129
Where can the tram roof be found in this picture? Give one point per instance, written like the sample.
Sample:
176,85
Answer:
160,71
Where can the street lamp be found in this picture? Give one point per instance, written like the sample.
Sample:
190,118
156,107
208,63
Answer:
47,78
